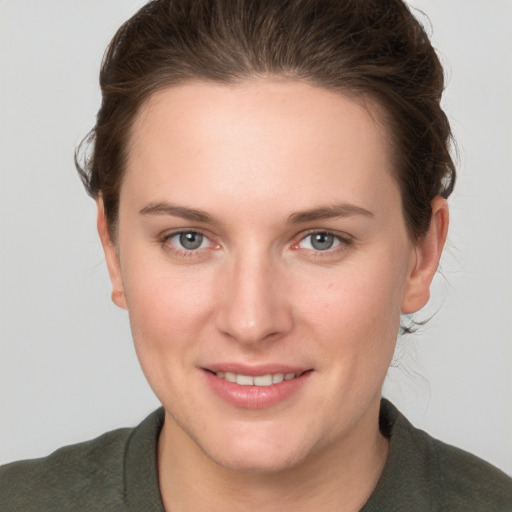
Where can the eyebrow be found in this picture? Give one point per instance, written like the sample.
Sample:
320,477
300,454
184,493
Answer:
162,208
324,212
328,212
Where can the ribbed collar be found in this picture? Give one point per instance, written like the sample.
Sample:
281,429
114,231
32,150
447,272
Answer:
408,479
407,476
141,473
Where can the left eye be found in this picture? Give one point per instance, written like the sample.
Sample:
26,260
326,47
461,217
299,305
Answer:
189,240
321,241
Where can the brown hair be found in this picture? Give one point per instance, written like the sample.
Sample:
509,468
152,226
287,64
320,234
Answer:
373,48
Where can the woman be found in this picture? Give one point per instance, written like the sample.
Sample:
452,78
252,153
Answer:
271,182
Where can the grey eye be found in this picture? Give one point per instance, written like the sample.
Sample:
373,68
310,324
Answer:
322,241
190,240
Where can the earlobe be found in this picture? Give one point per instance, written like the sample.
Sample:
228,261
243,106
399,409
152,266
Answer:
427,254
111,257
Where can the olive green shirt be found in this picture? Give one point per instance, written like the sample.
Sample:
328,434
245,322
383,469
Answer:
118,472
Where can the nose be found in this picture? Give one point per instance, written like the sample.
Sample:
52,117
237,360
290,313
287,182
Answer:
253,304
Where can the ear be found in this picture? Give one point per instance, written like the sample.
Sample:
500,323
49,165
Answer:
427,253
111,257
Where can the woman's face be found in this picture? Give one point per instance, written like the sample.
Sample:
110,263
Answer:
261,240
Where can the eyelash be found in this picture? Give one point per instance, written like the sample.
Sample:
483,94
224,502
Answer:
343,242
165,241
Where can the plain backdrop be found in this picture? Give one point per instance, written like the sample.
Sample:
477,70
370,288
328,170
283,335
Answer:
68,371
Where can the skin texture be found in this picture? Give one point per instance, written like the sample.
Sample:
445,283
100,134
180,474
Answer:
252,156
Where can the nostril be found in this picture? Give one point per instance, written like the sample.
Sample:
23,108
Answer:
252,308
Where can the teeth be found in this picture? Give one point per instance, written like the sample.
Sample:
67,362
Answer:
260,380
231,377
277,378
244,380
263,380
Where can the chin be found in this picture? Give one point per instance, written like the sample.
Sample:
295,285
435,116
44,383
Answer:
262,462
260,452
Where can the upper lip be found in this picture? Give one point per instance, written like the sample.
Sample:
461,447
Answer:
255,370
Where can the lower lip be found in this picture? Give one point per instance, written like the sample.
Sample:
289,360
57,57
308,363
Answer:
255,397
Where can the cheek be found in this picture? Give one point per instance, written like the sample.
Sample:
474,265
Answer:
357,309
168,316
167,310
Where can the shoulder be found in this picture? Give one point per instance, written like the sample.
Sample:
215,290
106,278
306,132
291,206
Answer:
425,474
112,472
466,482
92,469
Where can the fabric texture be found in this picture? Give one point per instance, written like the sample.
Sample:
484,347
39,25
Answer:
118,472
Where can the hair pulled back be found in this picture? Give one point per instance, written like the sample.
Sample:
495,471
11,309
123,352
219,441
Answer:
367,48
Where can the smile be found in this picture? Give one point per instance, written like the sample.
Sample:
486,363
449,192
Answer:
259,380
265,387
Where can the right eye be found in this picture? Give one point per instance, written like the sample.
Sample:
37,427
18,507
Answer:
188,240
320,241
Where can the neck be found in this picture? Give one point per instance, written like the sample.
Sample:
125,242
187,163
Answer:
340,477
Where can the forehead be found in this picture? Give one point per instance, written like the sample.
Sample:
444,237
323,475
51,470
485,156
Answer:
258,140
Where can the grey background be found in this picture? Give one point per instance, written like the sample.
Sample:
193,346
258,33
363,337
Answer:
68,370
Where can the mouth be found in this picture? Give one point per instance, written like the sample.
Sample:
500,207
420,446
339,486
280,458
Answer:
258,380
252,388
